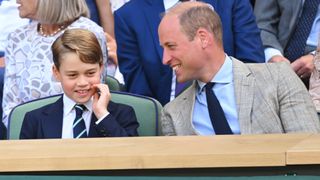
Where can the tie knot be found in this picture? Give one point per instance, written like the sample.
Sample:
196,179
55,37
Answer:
209,85
79,109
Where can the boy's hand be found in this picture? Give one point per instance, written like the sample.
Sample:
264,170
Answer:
101,100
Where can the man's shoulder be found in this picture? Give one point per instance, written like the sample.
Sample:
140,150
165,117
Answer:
180,101
131,6
264,68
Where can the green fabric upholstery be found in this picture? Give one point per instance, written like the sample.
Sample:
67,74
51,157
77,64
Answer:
113,83
17,114
147,111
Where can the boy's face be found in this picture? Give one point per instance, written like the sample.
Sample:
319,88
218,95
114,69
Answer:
77,77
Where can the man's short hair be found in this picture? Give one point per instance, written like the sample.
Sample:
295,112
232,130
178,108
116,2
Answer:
195,15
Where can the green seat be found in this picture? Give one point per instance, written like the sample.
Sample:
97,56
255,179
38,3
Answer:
113,83
147,111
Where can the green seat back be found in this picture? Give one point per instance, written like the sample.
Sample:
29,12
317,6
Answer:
113,83
17,114
147,111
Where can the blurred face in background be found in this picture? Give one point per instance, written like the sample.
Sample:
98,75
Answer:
27,8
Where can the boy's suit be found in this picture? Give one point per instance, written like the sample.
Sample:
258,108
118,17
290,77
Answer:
46,122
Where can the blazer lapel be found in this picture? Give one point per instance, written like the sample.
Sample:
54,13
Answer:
244,90
185,112
152,11
52,120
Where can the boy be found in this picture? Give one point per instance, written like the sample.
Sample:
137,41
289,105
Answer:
85,109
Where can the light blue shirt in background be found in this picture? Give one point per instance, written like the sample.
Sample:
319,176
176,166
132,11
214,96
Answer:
224,90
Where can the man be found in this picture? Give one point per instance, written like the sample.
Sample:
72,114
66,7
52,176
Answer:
140,55
283,23
246,98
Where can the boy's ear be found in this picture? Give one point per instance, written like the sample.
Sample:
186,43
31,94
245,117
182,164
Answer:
56,72
101,68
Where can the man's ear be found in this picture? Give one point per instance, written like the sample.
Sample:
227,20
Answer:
56,73
204,37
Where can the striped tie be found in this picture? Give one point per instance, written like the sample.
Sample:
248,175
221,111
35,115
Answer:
79,127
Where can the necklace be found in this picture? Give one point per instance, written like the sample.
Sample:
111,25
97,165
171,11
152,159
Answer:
61,27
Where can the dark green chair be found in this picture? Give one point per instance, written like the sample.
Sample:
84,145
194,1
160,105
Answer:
114,84
147,111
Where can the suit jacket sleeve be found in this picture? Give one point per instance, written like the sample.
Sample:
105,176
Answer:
268,18
297,112
248,44
121,122
129,57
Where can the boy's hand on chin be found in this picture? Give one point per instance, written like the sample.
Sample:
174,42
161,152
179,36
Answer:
101,100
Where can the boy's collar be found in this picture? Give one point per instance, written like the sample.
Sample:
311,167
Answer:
68,104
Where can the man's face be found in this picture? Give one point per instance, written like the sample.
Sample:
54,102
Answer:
77,77
183,56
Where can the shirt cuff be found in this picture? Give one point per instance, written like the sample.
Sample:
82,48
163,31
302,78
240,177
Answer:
270,52
102,118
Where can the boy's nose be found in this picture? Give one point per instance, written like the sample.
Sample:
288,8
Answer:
82,81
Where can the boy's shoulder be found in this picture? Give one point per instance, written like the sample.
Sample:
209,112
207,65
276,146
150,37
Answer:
113,106
54,106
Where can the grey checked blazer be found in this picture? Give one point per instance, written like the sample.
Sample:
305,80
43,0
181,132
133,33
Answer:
270,98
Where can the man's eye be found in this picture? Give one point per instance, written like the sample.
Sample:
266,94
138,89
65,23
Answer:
171,46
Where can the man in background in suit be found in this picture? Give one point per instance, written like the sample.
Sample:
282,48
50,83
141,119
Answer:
228,96
139,53
283,24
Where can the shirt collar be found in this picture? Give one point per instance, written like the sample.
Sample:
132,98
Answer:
68,105
223,76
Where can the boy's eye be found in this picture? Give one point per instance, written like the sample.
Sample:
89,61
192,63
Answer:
91,73
71,75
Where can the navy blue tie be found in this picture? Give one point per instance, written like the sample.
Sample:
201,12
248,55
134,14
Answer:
79,127
218,120
297,43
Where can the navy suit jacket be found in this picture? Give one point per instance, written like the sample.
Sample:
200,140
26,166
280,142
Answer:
140,53
46,122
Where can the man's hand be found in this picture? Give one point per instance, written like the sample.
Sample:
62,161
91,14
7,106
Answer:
303,66
112,48
278,58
